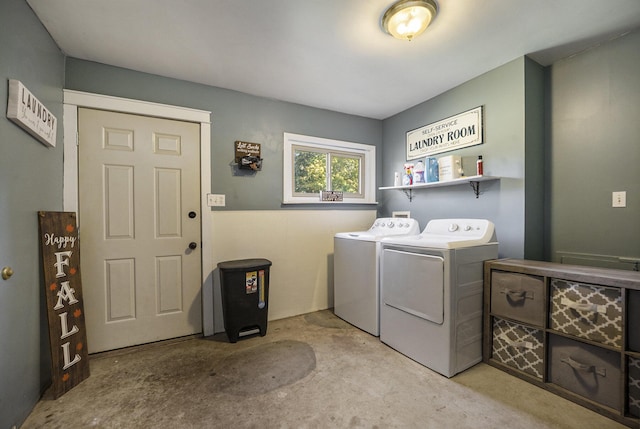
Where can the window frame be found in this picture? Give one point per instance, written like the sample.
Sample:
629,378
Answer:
368,170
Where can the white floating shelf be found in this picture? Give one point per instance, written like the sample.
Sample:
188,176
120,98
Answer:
472,180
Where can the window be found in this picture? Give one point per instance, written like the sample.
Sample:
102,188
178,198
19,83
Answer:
315,170
313,165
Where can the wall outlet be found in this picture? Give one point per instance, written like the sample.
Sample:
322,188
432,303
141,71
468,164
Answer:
215,200
619,199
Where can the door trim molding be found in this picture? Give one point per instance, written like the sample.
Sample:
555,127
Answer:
75,99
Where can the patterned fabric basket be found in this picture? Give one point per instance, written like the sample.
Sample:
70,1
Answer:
519,347
634,386
587,311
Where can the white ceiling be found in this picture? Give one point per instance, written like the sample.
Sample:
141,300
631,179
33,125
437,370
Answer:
330,54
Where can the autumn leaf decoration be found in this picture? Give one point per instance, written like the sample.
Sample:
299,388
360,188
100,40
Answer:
69,228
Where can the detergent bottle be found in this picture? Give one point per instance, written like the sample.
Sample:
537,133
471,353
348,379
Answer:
407,176
418,173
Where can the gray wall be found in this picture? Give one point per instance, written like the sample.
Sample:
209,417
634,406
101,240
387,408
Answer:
30,180
595,150
235,116
513,149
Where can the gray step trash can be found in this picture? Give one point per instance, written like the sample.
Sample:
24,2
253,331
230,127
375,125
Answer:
245,295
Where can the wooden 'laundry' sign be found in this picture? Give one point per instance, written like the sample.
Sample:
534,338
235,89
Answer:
63,288
30,114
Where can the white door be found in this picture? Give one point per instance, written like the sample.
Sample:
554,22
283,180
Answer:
139,217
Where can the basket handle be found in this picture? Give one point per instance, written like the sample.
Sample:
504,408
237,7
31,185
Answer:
516,344
583,367
517,295
592,308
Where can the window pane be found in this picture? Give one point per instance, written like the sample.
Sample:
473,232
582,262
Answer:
345,174
310,171
314,164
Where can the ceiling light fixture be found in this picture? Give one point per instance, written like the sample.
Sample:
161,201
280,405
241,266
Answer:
406,19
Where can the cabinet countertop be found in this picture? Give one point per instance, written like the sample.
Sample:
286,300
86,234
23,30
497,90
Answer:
604,276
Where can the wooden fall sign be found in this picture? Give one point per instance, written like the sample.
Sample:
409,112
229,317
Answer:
63,288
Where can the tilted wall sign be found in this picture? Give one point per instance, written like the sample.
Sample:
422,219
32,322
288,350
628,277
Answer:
455,132
63,288
28,112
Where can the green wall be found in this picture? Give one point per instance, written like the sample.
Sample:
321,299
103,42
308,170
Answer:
235,116
562,139
513,148
595,150
30,180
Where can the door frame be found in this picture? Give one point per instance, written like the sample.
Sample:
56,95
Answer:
76,99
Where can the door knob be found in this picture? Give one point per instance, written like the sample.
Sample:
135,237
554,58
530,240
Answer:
193,245
6,273
192,215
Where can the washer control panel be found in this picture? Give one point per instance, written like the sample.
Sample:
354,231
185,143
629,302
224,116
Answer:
480,229
395,226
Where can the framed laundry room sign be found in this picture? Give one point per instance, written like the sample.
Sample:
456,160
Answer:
455,132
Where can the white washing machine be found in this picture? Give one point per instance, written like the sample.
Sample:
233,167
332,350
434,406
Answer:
431,293
356,285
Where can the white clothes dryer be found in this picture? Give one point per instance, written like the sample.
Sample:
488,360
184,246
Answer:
356,262
431,293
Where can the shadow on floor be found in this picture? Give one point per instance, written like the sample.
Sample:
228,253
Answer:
309,371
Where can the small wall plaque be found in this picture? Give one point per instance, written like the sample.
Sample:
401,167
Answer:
30,114
247,149
332,195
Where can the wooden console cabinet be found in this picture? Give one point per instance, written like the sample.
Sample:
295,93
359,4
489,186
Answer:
569,329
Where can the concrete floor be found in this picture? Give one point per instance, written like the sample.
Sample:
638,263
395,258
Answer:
310,371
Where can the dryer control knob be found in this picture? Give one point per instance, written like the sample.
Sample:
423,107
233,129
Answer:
467,228
453,227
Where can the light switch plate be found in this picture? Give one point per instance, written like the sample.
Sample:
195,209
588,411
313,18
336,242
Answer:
619,199
215,200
